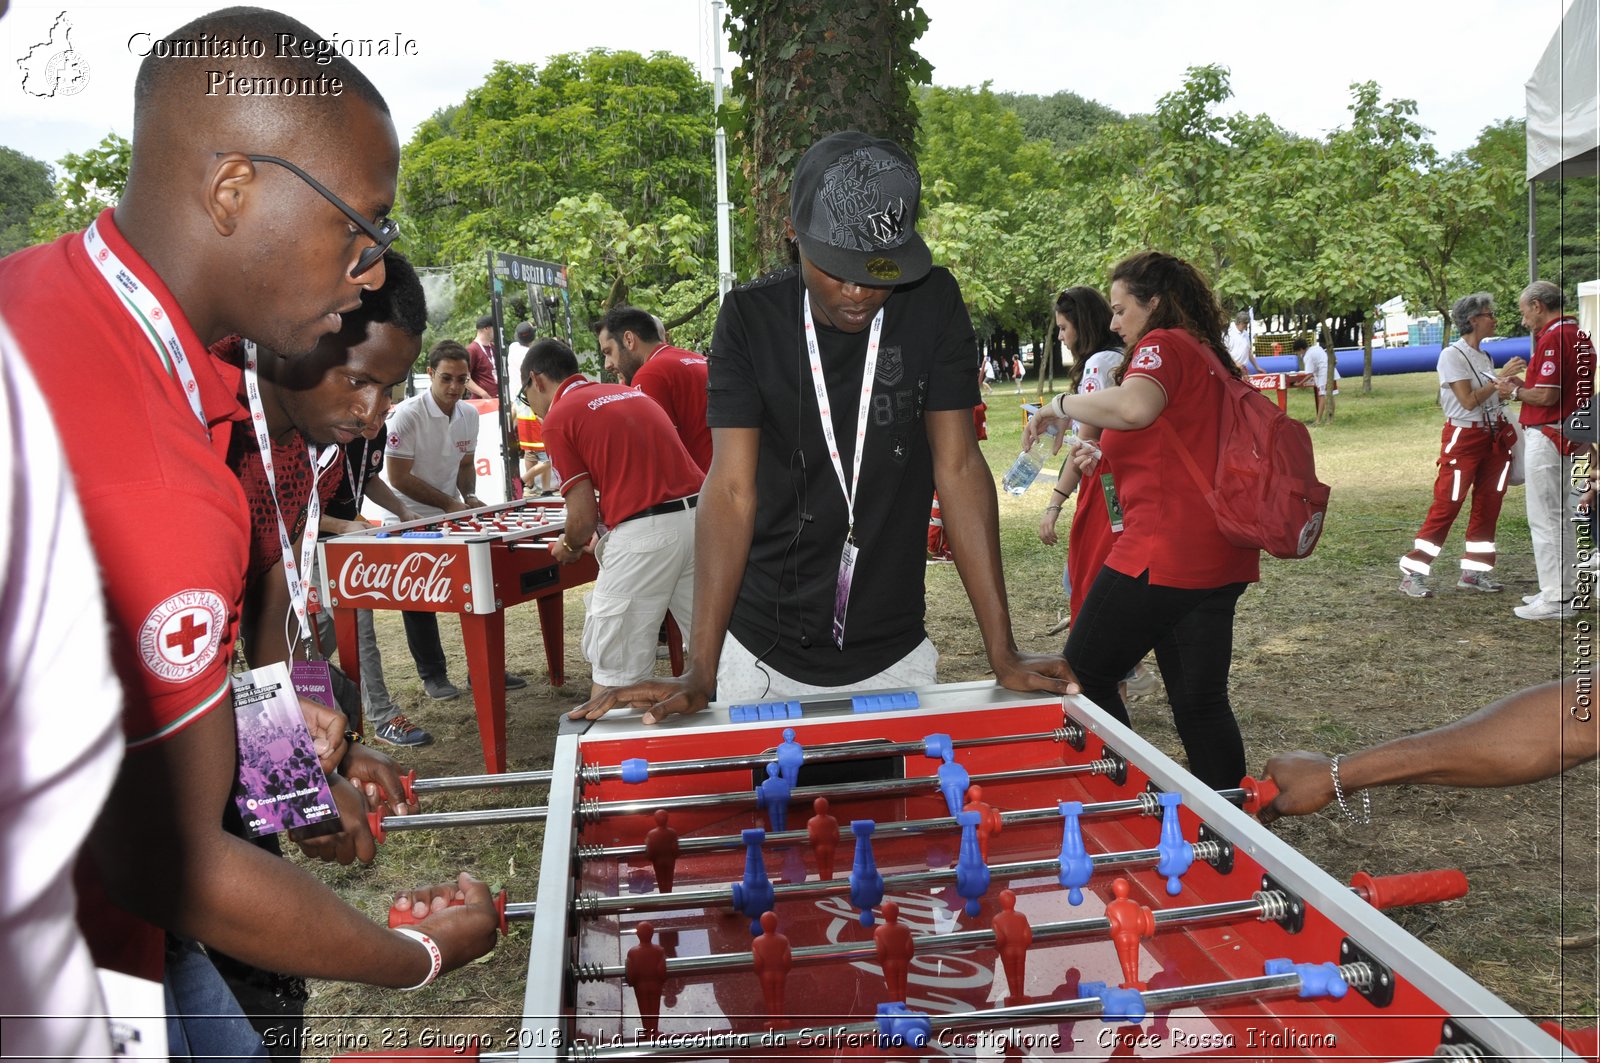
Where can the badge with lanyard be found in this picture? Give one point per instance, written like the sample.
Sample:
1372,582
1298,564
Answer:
299,585
847,556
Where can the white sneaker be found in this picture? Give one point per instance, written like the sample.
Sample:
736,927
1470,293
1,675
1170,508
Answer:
1545,611
1415,585
1533,599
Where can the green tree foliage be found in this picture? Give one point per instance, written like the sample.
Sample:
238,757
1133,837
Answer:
86,184
1064,119
592,148
810,68
25,184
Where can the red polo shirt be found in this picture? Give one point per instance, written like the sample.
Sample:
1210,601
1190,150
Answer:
622,442
1563,358
166,518
1168,527
676,379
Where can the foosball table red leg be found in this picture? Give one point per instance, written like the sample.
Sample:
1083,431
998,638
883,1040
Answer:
552,617
344,632
484,637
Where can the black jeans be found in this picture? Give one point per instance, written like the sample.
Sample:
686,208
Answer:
422,638
1123,618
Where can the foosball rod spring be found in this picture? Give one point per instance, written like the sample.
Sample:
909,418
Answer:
822,753
768,1042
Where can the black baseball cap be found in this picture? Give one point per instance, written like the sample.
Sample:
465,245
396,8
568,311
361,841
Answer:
854,210
525,332
486,321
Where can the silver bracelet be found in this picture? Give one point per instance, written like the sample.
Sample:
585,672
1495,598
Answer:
1338,791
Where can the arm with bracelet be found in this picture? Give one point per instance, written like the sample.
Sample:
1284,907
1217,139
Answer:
1533,734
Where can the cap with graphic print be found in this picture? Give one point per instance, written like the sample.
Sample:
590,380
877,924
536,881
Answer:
854,210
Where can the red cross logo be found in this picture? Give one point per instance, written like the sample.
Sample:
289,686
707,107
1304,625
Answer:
183,635
187,635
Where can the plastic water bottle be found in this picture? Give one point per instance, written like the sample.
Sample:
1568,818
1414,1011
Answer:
1026,468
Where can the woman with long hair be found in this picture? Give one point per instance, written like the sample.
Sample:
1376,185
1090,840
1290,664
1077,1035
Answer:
1474,454
1083,321
1171,580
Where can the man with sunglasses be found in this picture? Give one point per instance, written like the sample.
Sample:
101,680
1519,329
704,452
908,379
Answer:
840,395
217,233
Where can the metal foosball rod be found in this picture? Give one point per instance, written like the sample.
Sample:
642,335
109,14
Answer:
382,825
928,1027
821,753
1144,803
1263,905
716,897
591,811
1392,891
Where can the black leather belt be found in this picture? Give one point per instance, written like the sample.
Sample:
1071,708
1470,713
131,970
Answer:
664,507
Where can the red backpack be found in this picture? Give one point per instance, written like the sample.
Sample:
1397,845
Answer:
1265,492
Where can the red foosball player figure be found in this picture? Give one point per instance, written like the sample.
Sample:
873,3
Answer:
772,960
1130,921
646,972
894,947
661,846
989,821
1013,935
823,831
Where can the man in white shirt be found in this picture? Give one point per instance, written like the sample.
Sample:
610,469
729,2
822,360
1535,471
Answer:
430,461
1315,360
1239,342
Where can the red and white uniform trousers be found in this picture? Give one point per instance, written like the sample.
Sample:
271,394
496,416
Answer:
1472,458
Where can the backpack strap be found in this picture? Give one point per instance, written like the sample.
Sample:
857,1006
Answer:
1200,481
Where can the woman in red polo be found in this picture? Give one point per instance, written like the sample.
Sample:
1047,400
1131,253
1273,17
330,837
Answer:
1171,580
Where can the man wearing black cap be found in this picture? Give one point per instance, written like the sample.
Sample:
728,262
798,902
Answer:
840,395
485,384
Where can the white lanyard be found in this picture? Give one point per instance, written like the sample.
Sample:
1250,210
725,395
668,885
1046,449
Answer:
825,409
146,310
297,587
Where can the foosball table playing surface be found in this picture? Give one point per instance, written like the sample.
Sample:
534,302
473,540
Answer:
957,872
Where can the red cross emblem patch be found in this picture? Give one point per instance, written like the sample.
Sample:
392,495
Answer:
183,635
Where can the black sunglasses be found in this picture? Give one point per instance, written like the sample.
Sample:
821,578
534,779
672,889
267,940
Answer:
382,234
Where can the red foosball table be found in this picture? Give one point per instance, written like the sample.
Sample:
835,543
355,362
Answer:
954,872
1280,383
476,564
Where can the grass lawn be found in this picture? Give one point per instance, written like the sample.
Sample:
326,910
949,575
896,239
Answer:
1328,656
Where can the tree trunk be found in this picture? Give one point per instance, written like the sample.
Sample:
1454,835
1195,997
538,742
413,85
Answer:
1366,356
814,67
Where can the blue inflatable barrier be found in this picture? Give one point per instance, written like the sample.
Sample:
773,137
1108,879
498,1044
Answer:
1390,360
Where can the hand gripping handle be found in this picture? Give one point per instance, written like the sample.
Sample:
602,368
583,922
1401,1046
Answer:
1419,887
405,917
1258,793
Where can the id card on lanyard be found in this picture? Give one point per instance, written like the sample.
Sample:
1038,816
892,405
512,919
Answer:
847,556
299,586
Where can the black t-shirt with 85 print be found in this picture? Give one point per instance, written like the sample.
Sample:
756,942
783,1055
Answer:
760,377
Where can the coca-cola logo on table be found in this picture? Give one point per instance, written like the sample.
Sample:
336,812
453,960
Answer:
419,578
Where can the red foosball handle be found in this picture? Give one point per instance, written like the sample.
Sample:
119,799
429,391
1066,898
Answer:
375,824
1419,887
1258,793
404,916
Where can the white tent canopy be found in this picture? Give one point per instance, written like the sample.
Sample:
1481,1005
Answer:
1563,112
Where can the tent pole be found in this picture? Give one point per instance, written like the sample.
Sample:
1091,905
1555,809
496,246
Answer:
1533,237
